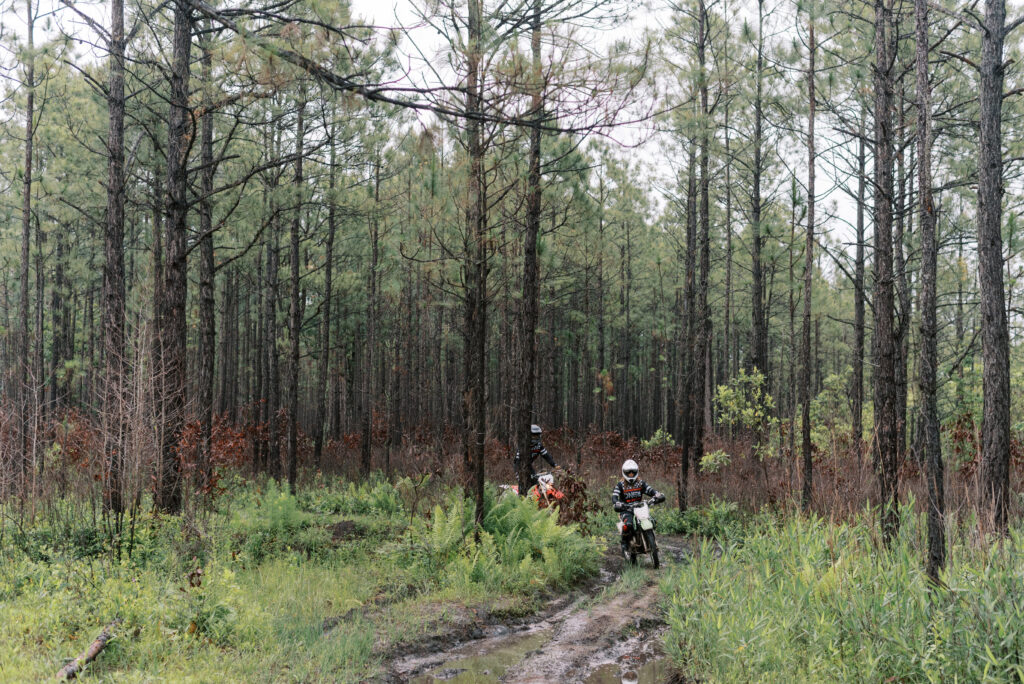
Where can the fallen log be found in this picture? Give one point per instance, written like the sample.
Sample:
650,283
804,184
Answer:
75,666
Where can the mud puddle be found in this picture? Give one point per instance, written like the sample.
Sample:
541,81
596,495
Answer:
657,671
595,639
484,663
637,660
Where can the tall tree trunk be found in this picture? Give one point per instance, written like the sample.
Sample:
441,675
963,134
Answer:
858,302
702,334
207,302
995,343
24,351
689,325
259,365
885,450
371,331
39,361
929,361
325,322
173,324
531,289
474,397
904,314
759,343
794,198
295,311
272,368
729,370
805,381
113,270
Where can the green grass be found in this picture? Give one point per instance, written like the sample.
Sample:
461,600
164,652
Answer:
244,595
805,600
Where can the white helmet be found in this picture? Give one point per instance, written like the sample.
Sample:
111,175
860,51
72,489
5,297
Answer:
535,430
630,470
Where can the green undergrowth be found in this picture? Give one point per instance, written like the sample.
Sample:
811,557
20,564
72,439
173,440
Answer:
719,520
806,600
274,587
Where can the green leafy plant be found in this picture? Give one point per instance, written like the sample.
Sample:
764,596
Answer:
746,404
712,462
717,520
660,438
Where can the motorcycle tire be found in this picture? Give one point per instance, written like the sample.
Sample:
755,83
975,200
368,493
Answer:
652,547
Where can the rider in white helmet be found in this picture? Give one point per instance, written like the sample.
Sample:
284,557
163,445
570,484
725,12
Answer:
629,491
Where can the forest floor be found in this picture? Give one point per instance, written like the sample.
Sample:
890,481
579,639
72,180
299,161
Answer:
609,630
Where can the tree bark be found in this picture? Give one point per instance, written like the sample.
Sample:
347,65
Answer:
531,289
371,332
325,321
858,303
805,381
995,345
702,334
727,333
759,343
24,351
295,311
113,270
173,322
70,670
928,378
885,450
207,302
689,326
904,313
474,397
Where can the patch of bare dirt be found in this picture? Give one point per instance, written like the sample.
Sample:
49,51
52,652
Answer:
581,637
344,530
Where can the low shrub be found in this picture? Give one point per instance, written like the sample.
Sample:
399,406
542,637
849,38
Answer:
373,496
267,525
719,520
521,548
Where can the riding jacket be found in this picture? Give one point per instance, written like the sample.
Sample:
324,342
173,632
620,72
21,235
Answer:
536,450
625,494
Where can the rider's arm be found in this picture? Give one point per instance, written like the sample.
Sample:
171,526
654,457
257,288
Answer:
547,457
617,503
653,493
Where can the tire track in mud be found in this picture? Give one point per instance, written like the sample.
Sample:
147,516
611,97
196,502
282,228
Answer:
595,639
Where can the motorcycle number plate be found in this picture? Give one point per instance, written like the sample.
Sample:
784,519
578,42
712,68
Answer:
647,524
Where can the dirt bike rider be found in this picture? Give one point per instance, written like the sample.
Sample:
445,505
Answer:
631,490
536,450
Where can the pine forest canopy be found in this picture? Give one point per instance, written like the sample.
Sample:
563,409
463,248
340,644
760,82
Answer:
282,222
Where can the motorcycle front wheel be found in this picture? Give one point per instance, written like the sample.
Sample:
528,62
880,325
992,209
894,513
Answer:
652,547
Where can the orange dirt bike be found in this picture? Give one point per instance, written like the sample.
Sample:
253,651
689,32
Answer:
544,492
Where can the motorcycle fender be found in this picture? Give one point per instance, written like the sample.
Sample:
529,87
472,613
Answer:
647,524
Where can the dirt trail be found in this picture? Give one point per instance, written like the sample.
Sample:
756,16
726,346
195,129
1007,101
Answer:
601,636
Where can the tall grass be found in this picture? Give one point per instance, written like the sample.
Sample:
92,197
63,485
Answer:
806,600
243,595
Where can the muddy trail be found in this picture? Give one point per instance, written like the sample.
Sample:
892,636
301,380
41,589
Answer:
609,633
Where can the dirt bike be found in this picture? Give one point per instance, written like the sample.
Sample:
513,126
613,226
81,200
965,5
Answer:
642,540
544,492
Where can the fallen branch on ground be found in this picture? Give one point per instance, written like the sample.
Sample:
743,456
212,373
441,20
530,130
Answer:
75,666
